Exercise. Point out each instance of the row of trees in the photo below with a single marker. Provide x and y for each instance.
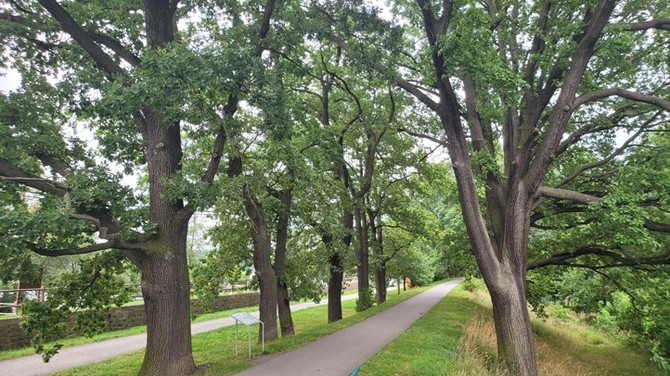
(299, 124)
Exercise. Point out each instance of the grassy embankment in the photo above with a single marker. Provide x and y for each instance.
(457, 337)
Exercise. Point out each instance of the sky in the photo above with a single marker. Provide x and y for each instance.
(9, 80)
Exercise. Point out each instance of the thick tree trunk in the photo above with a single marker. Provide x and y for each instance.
(283, 304)
(268, 296)
(503, 266)
(265, 273)
(516, 348)
(380, 283)
(166, 289)
(335, 288)
(165, 279)
(337, 269)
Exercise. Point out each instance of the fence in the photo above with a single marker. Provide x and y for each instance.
(20, 294)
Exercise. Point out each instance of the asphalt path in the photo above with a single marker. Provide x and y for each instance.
(341, 352)
(98, 351)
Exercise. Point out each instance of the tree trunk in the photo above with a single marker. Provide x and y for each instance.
(165, 278)
(503, 266)
(166, 293)
(380, 283)
(378, 248)
(513, 328)
(268, 295)
(265, 273)
(337, 269)
(283, 304)
(362, 256)
(335, 288)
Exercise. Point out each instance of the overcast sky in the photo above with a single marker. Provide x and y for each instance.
(9, 80)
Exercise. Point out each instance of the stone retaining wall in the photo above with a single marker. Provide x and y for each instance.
(13, 336)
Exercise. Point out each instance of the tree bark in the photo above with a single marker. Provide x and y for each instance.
(283, 303)
(337, 268)
(335, 288)
(362, 252)
(165, 279)
(512, 322)
(380, 284)
(376, 234)
(265, 273)
(166, 293)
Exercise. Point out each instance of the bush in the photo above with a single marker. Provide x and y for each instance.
(470, 283)
(365, 300)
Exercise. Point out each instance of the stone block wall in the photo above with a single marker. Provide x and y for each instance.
(13, 336)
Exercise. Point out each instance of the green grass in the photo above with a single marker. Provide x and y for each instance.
(217, 348)
(429, 346)
(74, 341)
(457, 338)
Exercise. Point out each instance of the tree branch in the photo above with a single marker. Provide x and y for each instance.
(564, 105)
(596, 250)
(118, 48)
(10, 172)
(605, 160)
(77, 251)
(70, 26)
(423, 135)
(637, 97)
(656, 226)
(564, 194)
(415, 91)
(660, 24)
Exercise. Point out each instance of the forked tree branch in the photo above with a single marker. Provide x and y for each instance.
(10, 172)
(420, 95)
(229, 111)
(118, 48)
(605, 160)
(70, 26)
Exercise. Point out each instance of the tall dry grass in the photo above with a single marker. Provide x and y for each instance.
(478, 349)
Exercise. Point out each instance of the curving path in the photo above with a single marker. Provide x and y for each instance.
(340, 353)
(98, 351)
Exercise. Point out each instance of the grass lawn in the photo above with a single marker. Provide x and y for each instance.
(429, 346)
(457, 337)
(217, 348)
(68, 342)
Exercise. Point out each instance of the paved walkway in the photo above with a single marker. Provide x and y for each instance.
(340, 353)
(95, 352)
